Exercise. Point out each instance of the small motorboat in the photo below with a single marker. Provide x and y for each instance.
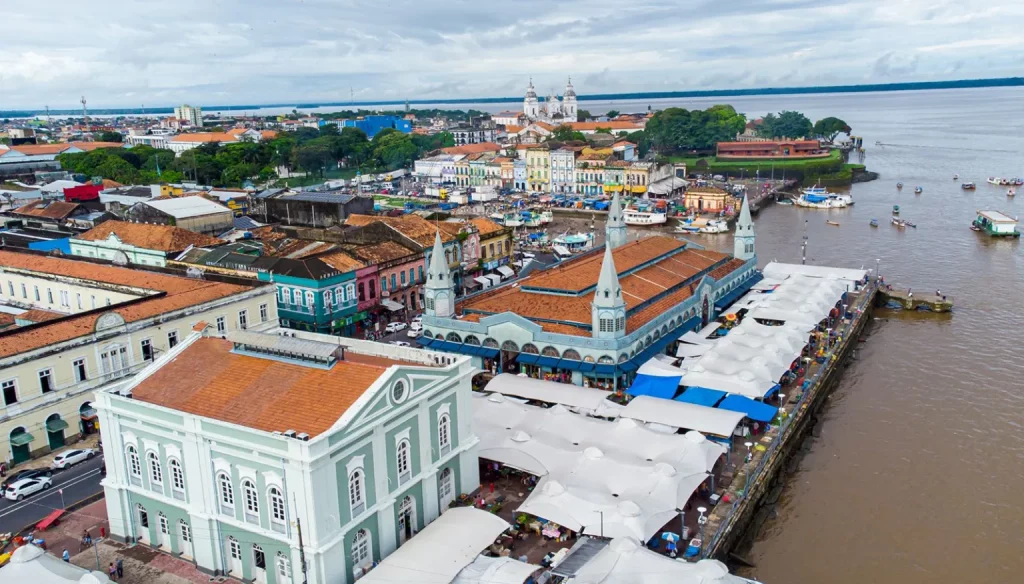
(1010, 192)
(899, 185)
(895, 209)
(975, 227)
(901, 223)
(830, 222)
(968, 186)
(785, 201)
(874, 222)
(918, 190)
(956, 177)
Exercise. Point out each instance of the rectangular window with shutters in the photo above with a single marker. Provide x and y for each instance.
(421, 273)
(403, 278)
(172, 339)
(46, 380)
(147, 350)
(78, 366)
(10, 389)
(49, 296)
(35, 290)
(24, 291)
(264, 313)
(394, 282)
(243, 319)
(221, 324)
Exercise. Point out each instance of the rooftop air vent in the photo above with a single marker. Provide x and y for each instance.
(303, 436)
(289, 433)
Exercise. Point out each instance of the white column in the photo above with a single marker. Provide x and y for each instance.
(469, 471)
(387, 530)
(430, 502)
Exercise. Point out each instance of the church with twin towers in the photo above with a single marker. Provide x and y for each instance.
(553, 110)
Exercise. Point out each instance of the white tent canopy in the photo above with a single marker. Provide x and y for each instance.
(659, 368)
(501, 570)
(624, 561)
(632, 474)
(682, 415)
(439, 552)
(30, 564)
(781, 271)
(505, 271)
(588, 399)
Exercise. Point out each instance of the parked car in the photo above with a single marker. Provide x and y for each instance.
(400, 343)
(25, 487)
(28, 473)
(415, 330)
(394, 327)
(72, 457)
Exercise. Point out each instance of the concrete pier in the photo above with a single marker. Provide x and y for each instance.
(904, 299)
(756, 483)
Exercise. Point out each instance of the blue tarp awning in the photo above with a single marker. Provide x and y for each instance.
(545, 361)
(774, 389)
(425, 341)
(655, 386)
(527, 358)
(755, 410)
(453, 347)
(605, 369)
(488, 352)
(702, 396)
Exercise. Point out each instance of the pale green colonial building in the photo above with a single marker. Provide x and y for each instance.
(224, 449)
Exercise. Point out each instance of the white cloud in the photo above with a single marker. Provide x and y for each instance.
(121, 53)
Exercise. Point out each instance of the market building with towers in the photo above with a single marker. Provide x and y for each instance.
(552, 110)
(594, 319)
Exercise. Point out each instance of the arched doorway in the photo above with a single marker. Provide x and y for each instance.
(446, 488)
(705, 315)
(55, 427)
(509, 353)
(406, 519)
(20, 445)
(90, 419)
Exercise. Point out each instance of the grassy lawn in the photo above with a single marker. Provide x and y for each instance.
(305, 181)
(752, 165)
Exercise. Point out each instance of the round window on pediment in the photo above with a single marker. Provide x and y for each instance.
(398, 392)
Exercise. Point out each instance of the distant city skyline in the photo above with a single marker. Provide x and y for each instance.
(262, 52)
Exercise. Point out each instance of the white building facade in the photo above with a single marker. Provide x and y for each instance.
(554, 110)
(191, 114)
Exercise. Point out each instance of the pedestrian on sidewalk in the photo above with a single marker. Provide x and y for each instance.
(66, 556)
(112, 571)
(120, 567)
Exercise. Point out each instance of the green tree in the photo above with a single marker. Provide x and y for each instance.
(643, 144)
(582, 115)
(674, 130)
(313, 157)
(109, 137)
(329, 130)
(565, 133)
(117, 169)
(830, 127)
(355, 145)
(393, 150)
(612, 113)
(788, 124)
(603, 131)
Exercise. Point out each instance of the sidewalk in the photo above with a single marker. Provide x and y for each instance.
(44, 461)
(67, 534)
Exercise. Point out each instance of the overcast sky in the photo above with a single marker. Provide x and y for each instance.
(222, 52)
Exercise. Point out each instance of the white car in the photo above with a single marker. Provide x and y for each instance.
(25, 487)
(72, 457)
(417, 318)
(394, 327)
(400, 343)
(414, 331)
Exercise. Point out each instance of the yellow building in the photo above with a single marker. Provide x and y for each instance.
(538, 169)
(171, 191)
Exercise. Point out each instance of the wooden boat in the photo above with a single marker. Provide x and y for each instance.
(901, 223)
(785, 201)
(918, 190)
(874, 222)
(830, 222)
(956, 177)
(968, 186)
(895, 209)
(1010, 192)
(899, 185)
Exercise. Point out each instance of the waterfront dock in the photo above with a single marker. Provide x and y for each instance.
(907, 301)
(755, 485)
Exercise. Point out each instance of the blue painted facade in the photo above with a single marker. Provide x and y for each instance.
(324, 306)
(371, 125)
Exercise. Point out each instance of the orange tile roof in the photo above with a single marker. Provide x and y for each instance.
(90, 146)
(414, 227)
(512, 129)
(545, 125)
(205, 137)
(384, 251)
(47, 209)
(178, 293)
(111, 184)
(40, 149)
(472, 148)
(166, 238)
(208, 379)
(485, 226)
(637, 287)
(39, 315)
(611, 125)
(341, 261)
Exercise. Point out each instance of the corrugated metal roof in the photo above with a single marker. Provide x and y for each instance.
(310, 197)
(182, 207)
(580, 554)
(284, 345)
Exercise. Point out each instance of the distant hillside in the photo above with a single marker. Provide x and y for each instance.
(917, 86)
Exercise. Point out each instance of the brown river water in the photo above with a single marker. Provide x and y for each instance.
(918, 472)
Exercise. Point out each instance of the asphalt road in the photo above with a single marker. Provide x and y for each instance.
(77, 483)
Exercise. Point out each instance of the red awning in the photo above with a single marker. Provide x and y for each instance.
(49, 520)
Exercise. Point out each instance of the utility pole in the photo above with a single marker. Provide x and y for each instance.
(85, 113)
(302, 550)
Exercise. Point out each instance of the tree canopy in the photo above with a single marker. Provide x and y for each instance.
(830, 127)
(676, 130)
(788, 124)
(612, 113)
(565, 133)
(583, 115)
(109, 137)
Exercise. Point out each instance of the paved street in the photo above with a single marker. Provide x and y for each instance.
(77, 483)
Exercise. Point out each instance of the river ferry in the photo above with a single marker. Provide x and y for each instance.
(568, 244)
(715, 226)
(637, 217)
(820, 198)
(996, 224)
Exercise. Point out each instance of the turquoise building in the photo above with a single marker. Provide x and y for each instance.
(316, 294)
(231, 453)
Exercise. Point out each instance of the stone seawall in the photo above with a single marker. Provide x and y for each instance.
(729, 524)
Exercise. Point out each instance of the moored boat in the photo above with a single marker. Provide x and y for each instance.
(785, 201)
(996, 224)
(874, 223)
(901, 223)
(637, 217)
(715, 226)
(1010, 192)
(968, 186)
(895, 209)
(830, 222)
(899, 185)
(820, 198)
(918, 190)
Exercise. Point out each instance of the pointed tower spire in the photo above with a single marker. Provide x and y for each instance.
(615, 228)
(743, 240)
(608, 311)
(438, 294)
